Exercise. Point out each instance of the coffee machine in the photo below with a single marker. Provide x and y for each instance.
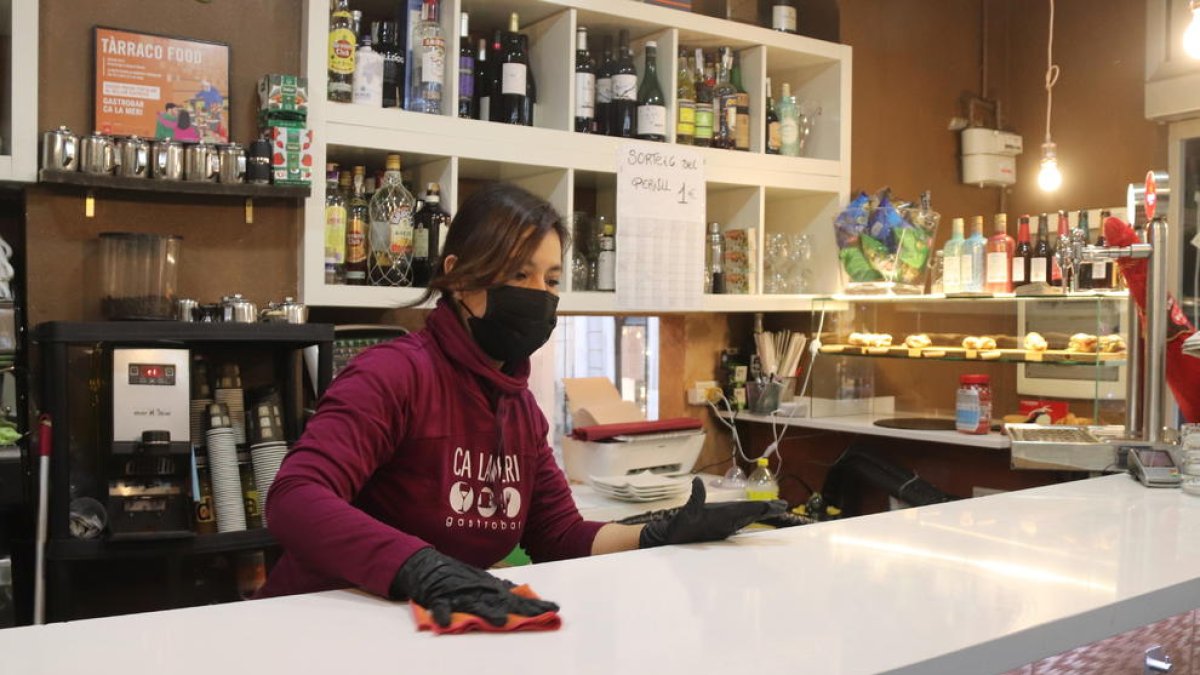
(149, 465)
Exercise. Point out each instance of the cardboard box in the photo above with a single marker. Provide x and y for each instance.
(594, 400)
(283, 96)
(291, 155)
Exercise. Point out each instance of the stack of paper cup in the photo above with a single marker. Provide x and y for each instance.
(199, 410)
(229, 391)
(228, 498)
(268, 445)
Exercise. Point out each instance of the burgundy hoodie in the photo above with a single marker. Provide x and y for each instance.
(405, 452)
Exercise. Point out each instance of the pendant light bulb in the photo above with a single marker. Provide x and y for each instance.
(1049, 177)
(1191, 36)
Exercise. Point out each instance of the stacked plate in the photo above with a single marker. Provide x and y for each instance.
(228, 497)
(266, 459)
(641, 487)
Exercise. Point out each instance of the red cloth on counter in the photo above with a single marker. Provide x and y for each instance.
(402, 453)
(461, 622)
(601, 432)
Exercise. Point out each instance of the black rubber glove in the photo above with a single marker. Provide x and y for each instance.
(698, 521)
(444, 585)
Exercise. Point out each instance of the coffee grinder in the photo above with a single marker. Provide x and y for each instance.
(149, 466)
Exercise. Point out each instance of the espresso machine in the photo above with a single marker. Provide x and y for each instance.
(148, 468)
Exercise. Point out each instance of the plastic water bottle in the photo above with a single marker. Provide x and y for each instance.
(762, 485)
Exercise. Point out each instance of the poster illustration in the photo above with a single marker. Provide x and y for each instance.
(161, 87)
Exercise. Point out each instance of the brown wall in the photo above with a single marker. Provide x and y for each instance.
(221, 253)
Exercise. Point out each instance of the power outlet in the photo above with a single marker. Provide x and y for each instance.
(697, 394)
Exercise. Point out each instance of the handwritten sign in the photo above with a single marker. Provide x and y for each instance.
(661, 204)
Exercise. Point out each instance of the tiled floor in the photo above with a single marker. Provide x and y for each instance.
(1125, 654)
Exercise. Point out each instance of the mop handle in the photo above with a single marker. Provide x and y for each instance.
(45, 439)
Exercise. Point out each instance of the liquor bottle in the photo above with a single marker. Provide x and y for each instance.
(343, 42)
(1040, 265)
(527, 109)
(652, 105)
(429, 62)
(495, 78)
(368, 75)
(971, 263)
(1058, 276)
(714, 260)
(952, 281)
(774, 142)
(606, 265)
(999, 258)
(741, 139)
(783, 16)
(1022, 255)
(704, 105)
(685, 103)
(466, 69)
(725, 117)
(789, 123)
(1103, 272)
(623, 109)
(391, 217)
(604, 88)
(356, 232)
(1084, 282)
(514, 75)
(393, 64)
(483, 108)
(585, 84)
(428, 225)
(335, 227)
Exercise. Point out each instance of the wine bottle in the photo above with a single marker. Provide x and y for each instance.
(466, 69)
(428, 224)
(495, 102)
(585, 84)
(652, 105)
(774, 142)
(604, 88)
(623, 110)
(725, 114)
(1059, 277)
(429, 62)
(606, 272)
(483, 92)
(527, 109)
(704, 105)
(514, 75)
(999, 263)
(783, 16)
(685, 103)
(742, 133)
(1023, 255)
(1040, 265)
(1103, 272)
(1085, 271)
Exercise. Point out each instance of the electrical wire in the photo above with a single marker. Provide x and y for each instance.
(1052, 72)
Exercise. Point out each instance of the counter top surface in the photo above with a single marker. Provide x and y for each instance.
(977, 586)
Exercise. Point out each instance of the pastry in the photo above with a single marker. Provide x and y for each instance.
(973, 342)
(870, 340)
(919, 341)
(1034, 342)
(970, 342)
(881, 340)
(1112, 344)
(990, 354)
(987, 343)
(1082, 342)
(857, 339)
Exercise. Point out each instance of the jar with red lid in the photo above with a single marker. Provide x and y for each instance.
(973, 405)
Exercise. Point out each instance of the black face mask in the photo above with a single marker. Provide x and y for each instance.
(517, 322)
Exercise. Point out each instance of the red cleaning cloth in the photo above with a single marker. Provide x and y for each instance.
(602, 432)
(1182, 371)
(461, 622)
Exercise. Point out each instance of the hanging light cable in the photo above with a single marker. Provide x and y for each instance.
(1049, 177)
(1191, 36)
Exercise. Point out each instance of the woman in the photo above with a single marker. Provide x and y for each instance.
(427, 458)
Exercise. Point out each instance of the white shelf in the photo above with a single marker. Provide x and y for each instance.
(747, 190)
(19, 21)
(865, 424)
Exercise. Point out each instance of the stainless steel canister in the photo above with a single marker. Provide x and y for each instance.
(166, 160)
(59, 150)
(202, 163)
(97, 153)
(133, 157)
(233, 163)
(184, 309)
(296, 312)
(238, 309)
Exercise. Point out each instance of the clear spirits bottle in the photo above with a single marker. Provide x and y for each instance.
(429, 62)
(392, 230)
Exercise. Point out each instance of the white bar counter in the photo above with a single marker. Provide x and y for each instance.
(978, 586)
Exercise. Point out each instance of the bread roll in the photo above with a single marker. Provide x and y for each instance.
(1082, 342)
(919, 341)
(1034, 342)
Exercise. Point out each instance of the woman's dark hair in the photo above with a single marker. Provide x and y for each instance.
(184, 120)
(493, 235)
